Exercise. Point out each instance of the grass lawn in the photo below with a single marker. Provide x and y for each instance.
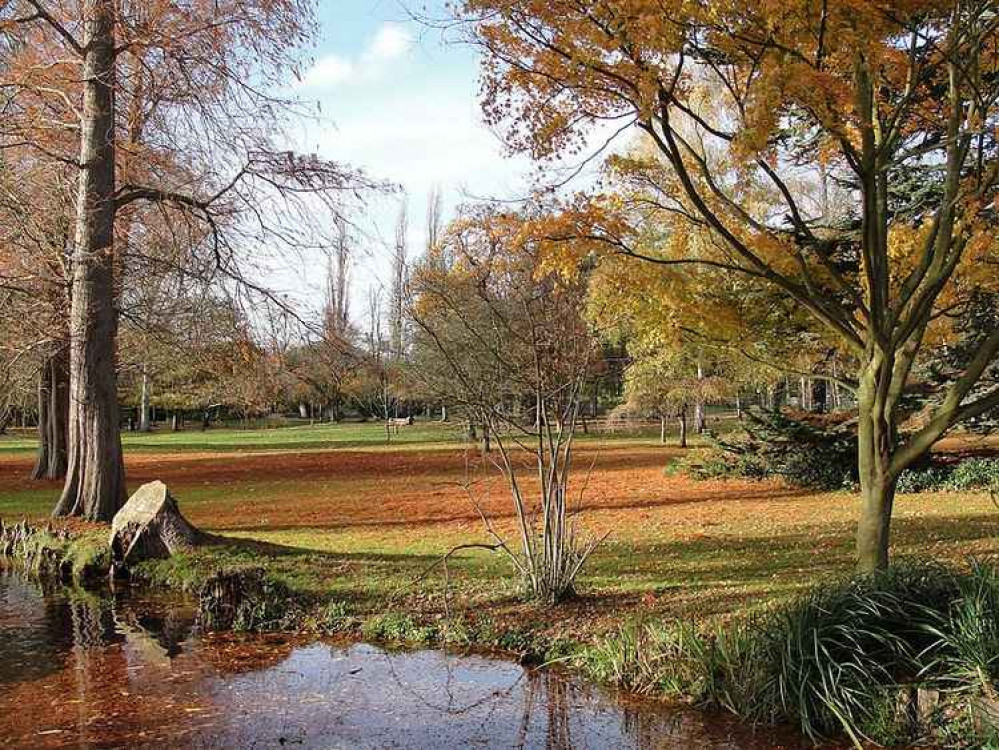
(338, 512)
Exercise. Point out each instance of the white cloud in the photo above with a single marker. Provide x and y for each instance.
(327, 72)
(330, 71)
(391, 41)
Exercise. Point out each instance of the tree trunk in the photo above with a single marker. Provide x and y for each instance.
(876, 439)
(175, 423)
(95, 477)
(53, 416)
(819, 396)
(836, 399)
(486, 442)
(700, 422)
(662, 430)
(683, 428)
(874, 529)
(144, 424)
(443, 412)
(738, 407)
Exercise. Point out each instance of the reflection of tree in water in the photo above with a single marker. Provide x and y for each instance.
(668, 727)
(650, 729)
(34, 634)
(542, 689)
(97, 671)
(551, 692)
(93, 622)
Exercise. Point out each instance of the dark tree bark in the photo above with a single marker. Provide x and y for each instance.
(53, 416)
(95, 477)
(820, 396)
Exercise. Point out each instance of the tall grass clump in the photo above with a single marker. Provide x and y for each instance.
(844, 659)
(965, 649)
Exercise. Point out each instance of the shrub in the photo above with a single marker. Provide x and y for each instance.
(975, 474)
(397, 627)
(838, 660)
(336, 617)
(646, 658)
(820, 456)
(930, 479)
(969, 474)
(245, 599)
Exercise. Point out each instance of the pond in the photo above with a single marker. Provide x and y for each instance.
(89, 671)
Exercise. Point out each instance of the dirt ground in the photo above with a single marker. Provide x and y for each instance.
(337, 489)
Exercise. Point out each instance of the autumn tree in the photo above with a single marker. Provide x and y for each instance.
(668, 384)
(496, 331)
(748, 106)
(17, 368)
(169, 108)
(35, 225)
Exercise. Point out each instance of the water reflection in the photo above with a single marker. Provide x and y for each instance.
(87, 671)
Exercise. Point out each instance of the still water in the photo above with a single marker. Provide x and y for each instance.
(85, 671)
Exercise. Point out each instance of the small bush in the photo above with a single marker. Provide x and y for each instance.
(969, 474)
(820, 456)
(975, 474)
(246, 599)
(930, 479)
(336, 617)
(644, 658)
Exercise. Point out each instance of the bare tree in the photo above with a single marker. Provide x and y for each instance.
(494, 332)
(337, 303)
(397, 333)
(168, 124)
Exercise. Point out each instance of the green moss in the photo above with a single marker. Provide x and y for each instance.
(396, 627)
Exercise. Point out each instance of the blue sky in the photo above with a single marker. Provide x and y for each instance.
(400, 100)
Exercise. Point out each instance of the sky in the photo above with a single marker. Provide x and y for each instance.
(399, 100)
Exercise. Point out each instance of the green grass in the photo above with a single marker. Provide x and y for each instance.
(305, 437)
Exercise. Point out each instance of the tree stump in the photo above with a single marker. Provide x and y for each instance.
(150, 525)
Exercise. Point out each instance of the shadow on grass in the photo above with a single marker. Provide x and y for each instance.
(725, 574)
(258, 548)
